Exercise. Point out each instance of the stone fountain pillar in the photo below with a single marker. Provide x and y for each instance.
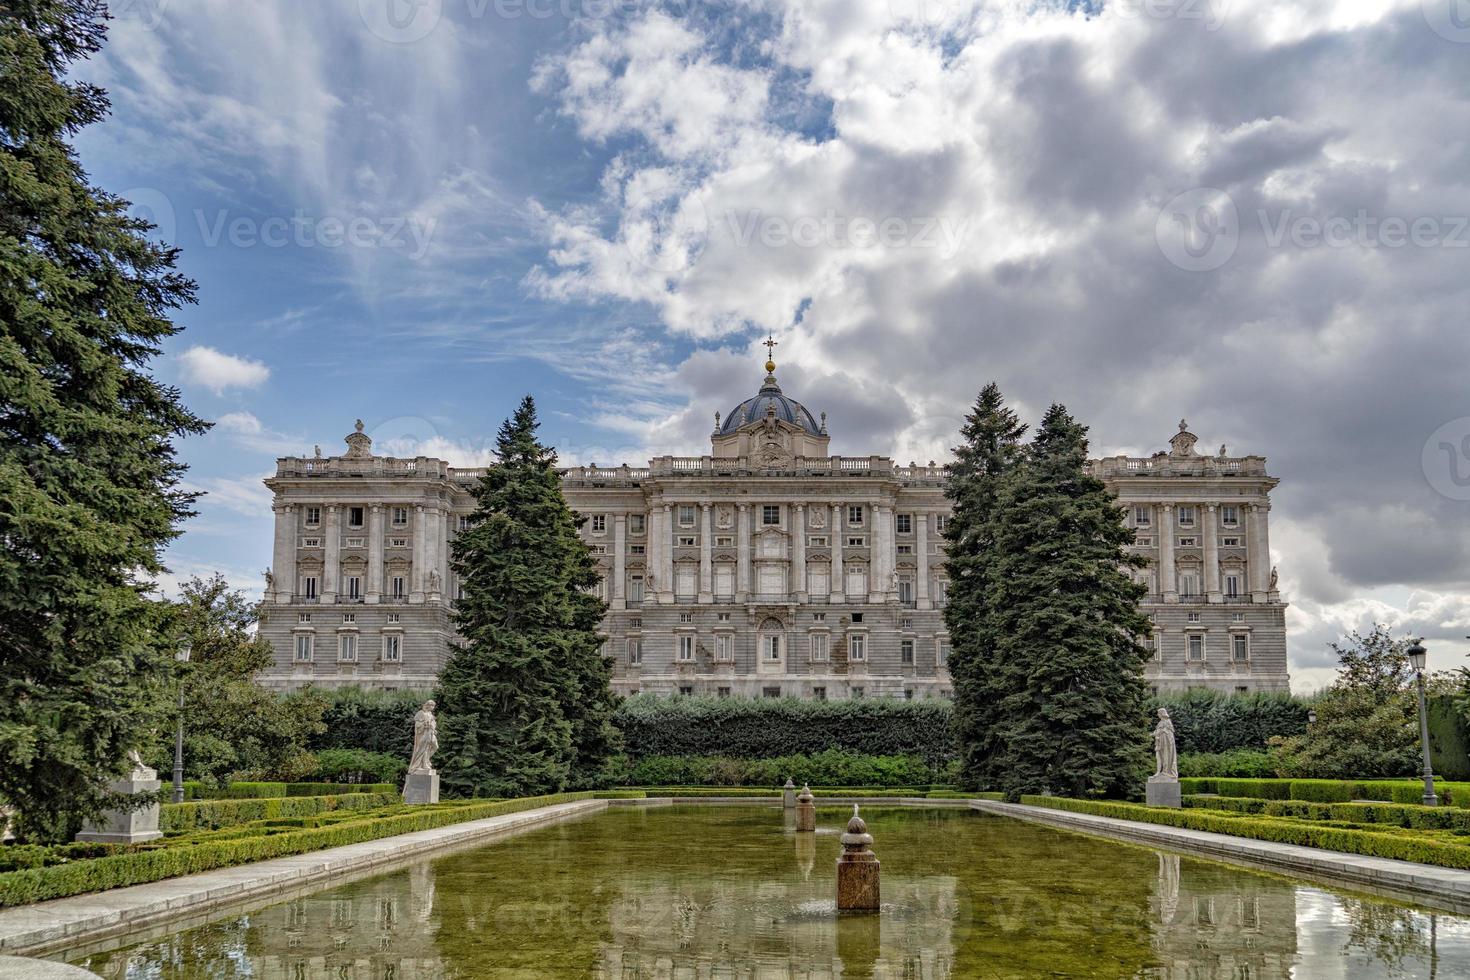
(806, 811)
(857, 869)
(788, 794)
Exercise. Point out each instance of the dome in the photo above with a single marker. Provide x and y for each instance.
(769, 397)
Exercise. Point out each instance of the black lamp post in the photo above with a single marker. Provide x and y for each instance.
(1311, 716)
(186, 647)
(1417, 656)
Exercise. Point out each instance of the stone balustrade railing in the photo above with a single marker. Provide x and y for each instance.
(1164, 465)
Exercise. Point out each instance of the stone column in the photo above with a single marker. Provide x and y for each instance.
(921, 560)
(798, 551)
(666, 557)
(742, 564)
(1212, 552)
(1168, 587)
(706, 566)
(416, 574)
(332, 567)
(839, 571)
(433, 538)
(283, 561)
(1258, 554)
(878, 585)
(620, 570)
(375, 555)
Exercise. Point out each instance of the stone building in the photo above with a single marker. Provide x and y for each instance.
(766, 568)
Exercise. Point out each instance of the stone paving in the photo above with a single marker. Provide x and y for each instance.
(63, 922)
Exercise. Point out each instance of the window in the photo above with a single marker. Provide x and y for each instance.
(1186, 517)
(941, 522)
(303, 617)
(1230, 542)
(354, 517)
(1230, 515)
(347, 648)
(941, 652)
(392, 617)
(819, 617)
(770, 692)
(397, 586)
(354, 587)
(857, 693)
(819, 694)
(723, 692)
(857, 541)
(464, 522)
(398, 542)
(636, 623)
(820, 647)
(687, 540)
(355, 543)
(349, 617)
(635, 651)
(392, 648)
(635, 590)
(311, 542)
(686, 515)
(1145, 541)
(313, 516)
(904, 523)
(818, 542)
(686, 649)
(724, 647)
(599, 523)
(722, 617)
(686, 690)
(941, 592)
(771, 515)
(635, 524)
(1237, 617)
(857, 647)
(1240, 647)
(1196, 647)
(686, 617)
(771, 648)
(1189, 584)
(724, 542)
(1242, 690)
(908, 694)
(1142, 516)
(855, 515)
(906, 652)
(906, 624)
(1189, 542)
(906, 591)
(1194, 617)
(400, 516)
(686, 581)
(857, 617)
(1232, 586)
(637, 549)
(304, 644)
(308, 586)
(905, 549)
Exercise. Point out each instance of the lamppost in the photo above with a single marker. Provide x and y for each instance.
(1417, 656)
(186, 647)
(1311, 716)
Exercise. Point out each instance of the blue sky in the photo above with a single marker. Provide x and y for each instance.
(415, 211)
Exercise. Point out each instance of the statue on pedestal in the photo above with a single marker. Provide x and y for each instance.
(1164, 750)
(425, 739)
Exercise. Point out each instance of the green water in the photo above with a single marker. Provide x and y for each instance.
(731, 892)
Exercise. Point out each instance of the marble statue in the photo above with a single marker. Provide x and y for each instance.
(270, 581)
(141, 770)
(1164, 750)
(1275, 577)
(433, 580)
(425, 739)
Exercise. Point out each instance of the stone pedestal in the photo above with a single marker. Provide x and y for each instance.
(127, 826)
(1163, 791)
(788, 794)
(857, 869)
(421, 787)
(806, 811)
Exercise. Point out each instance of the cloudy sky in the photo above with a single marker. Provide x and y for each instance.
(1243, 212)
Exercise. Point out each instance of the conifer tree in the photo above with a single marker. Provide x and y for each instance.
(991, 448)
(89, 484)
(524, 701)
(1064, 613)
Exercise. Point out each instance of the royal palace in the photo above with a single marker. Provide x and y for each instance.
(766, 568)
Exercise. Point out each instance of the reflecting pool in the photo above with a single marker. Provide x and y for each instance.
(733, 892)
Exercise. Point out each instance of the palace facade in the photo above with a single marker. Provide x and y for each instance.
(766, 568)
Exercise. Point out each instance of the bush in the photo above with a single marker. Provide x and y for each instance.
(1265, 789)
(359, 766)
(1215, 722)
(369, 720)
(1330, 790)
(260, 791)
(214, 814)
(768, 728)
(1240, 763)
(830, 768)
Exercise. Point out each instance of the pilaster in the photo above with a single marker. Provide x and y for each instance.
(921, 560)
(416, 574)
(706, 567)
(839, 568)
(1211, 531)
(798, 551)
(375, 555)
(619, 599)
(332, 563)
(742, 552)
(1168, 582)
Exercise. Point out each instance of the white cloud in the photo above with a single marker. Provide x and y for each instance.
(218, 371)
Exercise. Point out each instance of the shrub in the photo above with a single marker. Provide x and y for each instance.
(1215, 722)
(1407, 791)
(1240, 763)
(369, 720)
(359, 766)
(214, 814)
(259, 791)
(767, 728)
(1265, 789)
(830, 768)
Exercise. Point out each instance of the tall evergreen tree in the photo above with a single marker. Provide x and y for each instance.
(525, 699)
(991, 448)
(88, 479)
(1065, 618)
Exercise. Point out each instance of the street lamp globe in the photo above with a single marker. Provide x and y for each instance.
(1417, 655)
(185, 650)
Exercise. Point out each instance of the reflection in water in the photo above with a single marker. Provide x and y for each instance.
(729, 892)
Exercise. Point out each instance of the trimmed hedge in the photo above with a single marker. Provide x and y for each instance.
(767, 728)
(830, 768)
(214, 814)
(1234, 764)
(264, 791)
(1390, 814)
(1409, 791)
(370, 720)
(133, 866)
(1387, 843)
(1213, 721)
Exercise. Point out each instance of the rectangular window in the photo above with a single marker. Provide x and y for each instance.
(857, 617)
(1237, 617)
(770, 692)
(857, 693)
(354, 587)
(464, 522)
(1196, 647)
(686, 649)
(1189, 542)
(687, 541)
(1232, 586)
(635, 652)
(725, 542)
(770, 515)
(857, 646)
(941, 522)
(304, 643)
(400, 516)
(941, 592)
(313, 516)
(354, 516)
(311, 542)
(723, 692)
(636, 623)
(1189, 585)
(349, 617)
(818, 542)
(599, 523)
(686, 690)
(308, 586)
(906, 591)
(1186, 517)
(392, 617)
(905, 549)
(819, 694)
(1230, 542)
(686, 515)
(1230, 515)
(1194, 617)
(303, 617)
(772, 648)
(819, 647)
(398, 587)
(637, 549)
(686, 617)
(398, 542)
(1142, 516)
(855, 515)
(724, 647)
(635, 524)
(722, 617)
(857, 541)
(1240, 648)
(686, 581)
(635, 590)
(904, 523)
(819, 617)
(906, 652)
(941, 652)
(392, 648)
(347, 648)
